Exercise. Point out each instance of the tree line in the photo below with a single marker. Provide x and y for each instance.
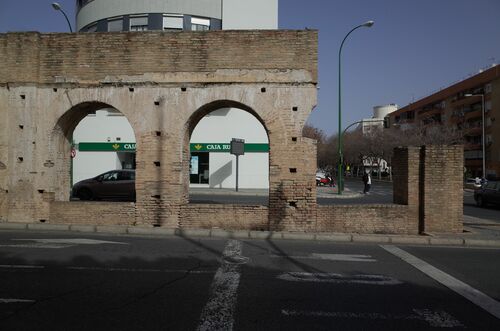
(362, 149)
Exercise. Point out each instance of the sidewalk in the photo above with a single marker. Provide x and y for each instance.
(470, 238)
(322, 192)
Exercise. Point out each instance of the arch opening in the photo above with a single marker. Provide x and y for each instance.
(214, 173)
(94, 148)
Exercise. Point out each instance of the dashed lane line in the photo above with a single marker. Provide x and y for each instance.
(218, 312)
(475, 296)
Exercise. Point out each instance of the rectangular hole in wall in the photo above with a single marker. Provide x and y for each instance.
(157, 196)
(41, 191)
(20, 159)
(131, 89)
(183, 89)
(157, 163)
(23, 96)
(158, 133)
(293, 170)
(294, 138)
(21, 126)
(293, 204)
(54, 89)
(295, 108)
(157, 103)
(263, 90)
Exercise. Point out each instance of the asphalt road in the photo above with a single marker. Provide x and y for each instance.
(52, 281)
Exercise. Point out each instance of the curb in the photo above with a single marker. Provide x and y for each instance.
(263, 235)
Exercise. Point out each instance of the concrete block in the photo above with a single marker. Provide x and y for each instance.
(370, 238)
(151, 231)
(334, 237)
(13, 226)
(192, 232)
(406, 240)
(48, 227)
(220, 233)
(482, 242)
(260, 234)
(298, 236)
(111, 229)
(82, 228)
(447, 241)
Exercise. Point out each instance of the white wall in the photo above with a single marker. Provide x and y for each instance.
(249, 14)
(98, 128)
(221, 126)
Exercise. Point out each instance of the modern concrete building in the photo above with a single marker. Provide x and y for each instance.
(377, 121)
(175, 15)
(460, 106)
(101, 147)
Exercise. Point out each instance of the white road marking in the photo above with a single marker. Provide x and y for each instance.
(331, 257)
(475, 296)
(20, 266)
(58, 243)
(36, 245)
(438, 319)
(15, 300)
(142, 270)
(218, 312)
(72, 241)
(338, 278)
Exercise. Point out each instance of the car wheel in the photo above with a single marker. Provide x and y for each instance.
(480, 201)
(85, 194)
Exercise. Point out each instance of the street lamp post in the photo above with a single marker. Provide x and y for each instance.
(58, 7)
(483, 136)
(367, 24)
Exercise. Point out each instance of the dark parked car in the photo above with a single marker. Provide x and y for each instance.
(488, 194)
(116, 184)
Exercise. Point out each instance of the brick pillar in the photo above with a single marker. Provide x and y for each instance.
(292, 191)
(441, 189)
(406, 178)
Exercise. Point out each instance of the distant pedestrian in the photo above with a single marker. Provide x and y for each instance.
(367, 180)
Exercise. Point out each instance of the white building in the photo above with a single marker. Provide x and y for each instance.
(371, 125)
(106, 141)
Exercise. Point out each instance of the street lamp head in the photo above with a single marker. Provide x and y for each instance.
(468, 95)
(368, 24)
(56, 6)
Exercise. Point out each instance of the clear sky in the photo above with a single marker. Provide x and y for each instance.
(415, 47)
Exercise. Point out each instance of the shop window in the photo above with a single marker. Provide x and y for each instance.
(199, 168)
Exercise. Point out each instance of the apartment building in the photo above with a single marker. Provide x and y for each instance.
(460, 107)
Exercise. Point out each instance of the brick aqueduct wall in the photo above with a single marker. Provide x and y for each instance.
(164, 83)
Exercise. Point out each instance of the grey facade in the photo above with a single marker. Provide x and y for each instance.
(175, 15)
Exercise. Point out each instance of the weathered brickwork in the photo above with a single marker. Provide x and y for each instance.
(441, 189)
(230, 217)
(387, 219)
(164, 83)
(100, 213)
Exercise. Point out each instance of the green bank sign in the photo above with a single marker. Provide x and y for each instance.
(197, 147)
(106, 147)
(225, 148)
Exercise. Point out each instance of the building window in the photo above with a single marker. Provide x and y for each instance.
(115, 25)
(487, 88)
(200, 24)
(173, 23)
(139, 23)
(92, 28)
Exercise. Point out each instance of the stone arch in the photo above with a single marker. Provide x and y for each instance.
(60, 141)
